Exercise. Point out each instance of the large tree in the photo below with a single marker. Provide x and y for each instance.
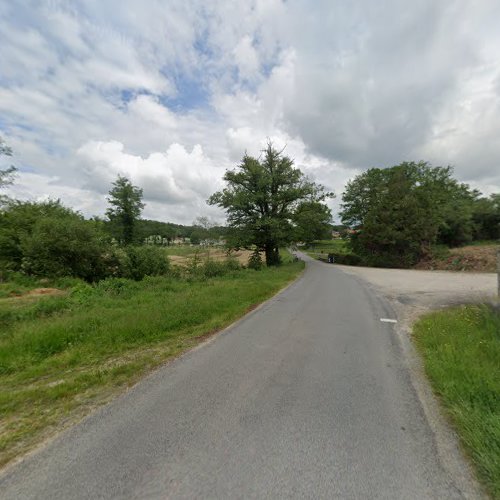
(261, 200)
(397, 213)
(312, 221)
(126, 207)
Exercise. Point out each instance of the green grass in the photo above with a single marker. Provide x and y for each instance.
(461, 352)
(61, 356)
(326, 246)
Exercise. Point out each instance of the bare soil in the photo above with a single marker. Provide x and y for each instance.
(469, 258)
(36, 292)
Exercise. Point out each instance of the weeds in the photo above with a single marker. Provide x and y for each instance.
(461, 351)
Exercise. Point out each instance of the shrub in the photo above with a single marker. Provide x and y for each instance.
(82, 293)
(232, 264)
(255, 261)
(68, 246)
(17, 222)
(121, 287)
(139, 262)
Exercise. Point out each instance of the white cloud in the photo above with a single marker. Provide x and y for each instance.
(149, 109)
(173, 93)
(246, 59)
(173, 177)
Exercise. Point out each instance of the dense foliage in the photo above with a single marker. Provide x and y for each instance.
(396, 214)
(486, 217)
(46, 239)
(262, 200)
(126, 207)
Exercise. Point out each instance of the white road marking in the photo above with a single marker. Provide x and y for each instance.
(388, 320)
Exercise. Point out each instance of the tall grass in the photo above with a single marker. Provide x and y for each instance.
(461, 351)
(59, 356)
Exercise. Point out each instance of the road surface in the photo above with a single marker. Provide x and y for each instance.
(309, 396)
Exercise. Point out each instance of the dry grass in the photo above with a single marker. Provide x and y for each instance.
(472, 258)
(216, 254)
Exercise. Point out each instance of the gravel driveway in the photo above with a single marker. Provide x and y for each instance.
(411, 290)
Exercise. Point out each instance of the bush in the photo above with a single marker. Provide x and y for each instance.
(255, 261)
(209, 268)
(82, 293)
(17, 221)
(117, 287)
(212, 268)
(68, 246)
(138, 262)
(232, 264)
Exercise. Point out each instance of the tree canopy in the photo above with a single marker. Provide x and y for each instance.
(262, 199)
(126, 207)
(397, 213)
(486, 217)
(49, 239)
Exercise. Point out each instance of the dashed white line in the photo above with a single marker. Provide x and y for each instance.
(388, 320)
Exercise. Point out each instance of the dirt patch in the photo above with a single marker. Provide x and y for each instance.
(178, 260)
(46, 291)
(468, 258)
(35, 293)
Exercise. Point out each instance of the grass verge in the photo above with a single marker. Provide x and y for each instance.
(461, 352)
(61, 356)
(327, 246)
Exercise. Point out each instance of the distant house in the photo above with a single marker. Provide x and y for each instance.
(156, 239)
(181, 241)
(209, 242)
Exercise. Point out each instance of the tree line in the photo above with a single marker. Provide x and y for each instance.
(396, 215)
(48, 239)
(393, 216)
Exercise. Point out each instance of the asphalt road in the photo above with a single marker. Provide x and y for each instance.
(309, 396)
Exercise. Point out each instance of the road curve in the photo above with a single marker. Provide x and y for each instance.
(307, 397)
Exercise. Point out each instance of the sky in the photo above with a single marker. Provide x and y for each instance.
(172, 93)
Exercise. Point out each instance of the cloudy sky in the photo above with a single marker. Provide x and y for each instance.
(171, 93)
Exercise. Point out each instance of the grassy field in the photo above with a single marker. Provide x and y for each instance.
(324, 247)
(62, 355)
(461, 352)
(183, 250)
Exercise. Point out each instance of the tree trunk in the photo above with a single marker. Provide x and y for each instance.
(272, 255)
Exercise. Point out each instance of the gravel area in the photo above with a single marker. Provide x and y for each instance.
(428, 289)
